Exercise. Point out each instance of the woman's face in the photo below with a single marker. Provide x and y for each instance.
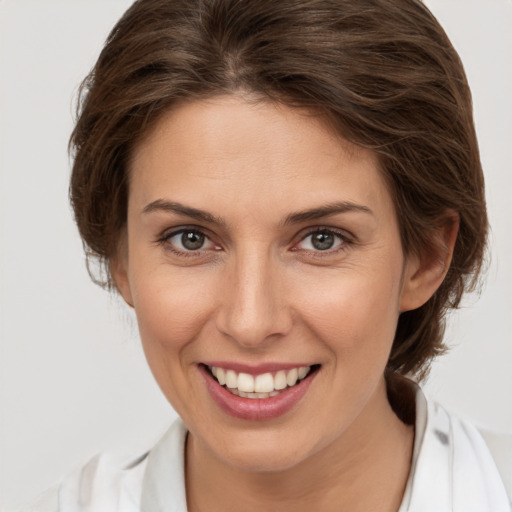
(260, 243)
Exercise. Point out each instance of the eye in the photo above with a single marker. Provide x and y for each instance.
(321, 240)
(189, 240)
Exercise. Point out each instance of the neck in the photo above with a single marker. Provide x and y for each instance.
(366, 468)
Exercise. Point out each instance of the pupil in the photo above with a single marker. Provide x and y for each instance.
(192, 240)
(322, 241)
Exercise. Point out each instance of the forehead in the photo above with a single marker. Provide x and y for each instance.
(232, 150)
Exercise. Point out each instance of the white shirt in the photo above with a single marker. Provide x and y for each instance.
(452, 470)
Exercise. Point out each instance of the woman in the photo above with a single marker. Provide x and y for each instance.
(289, 194)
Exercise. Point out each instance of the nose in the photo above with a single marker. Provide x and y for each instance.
(254, 309)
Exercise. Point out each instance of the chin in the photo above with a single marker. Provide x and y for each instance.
(268, 460)
(263, 450)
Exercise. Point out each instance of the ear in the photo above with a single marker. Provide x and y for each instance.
(119, 271)
(424, 272)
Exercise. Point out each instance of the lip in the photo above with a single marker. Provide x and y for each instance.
(256, 369)
(255, 409)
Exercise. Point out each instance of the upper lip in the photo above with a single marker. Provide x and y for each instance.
(254, 369)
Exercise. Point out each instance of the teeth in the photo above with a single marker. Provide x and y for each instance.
(221, 375)
(303, 371)
(280, 380)
(231, 379)
(264, 385)
(291, 377)
(253, 395)
(245, 383)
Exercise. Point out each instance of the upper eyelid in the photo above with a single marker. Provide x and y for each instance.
(319, 229)
(170, 232)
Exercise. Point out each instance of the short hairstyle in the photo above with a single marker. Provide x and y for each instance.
(382, 72)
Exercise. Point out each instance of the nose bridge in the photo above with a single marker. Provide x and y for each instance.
(253, 308)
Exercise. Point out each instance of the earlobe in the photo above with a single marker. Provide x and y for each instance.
(119, 272)
(424, 272)
(121, 282)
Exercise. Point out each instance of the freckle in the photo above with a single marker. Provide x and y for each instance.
(442, 437)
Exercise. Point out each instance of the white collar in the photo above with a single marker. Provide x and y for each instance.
(163, 487)
(452, 469)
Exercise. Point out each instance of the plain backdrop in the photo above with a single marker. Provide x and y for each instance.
(73, 377)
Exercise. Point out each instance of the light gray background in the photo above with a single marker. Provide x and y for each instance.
(73, 378)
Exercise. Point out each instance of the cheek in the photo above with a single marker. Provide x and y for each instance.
(171, 309)
(171, 313)
(355, 314)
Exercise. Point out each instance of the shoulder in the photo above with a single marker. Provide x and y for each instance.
(454, 467)
(500, 446)
(104, 483)
(110, 483)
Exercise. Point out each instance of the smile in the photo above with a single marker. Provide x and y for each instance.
(264, 385)
(262, 394)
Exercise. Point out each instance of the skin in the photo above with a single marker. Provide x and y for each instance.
(258, 291)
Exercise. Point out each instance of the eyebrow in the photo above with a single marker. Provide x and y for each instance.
(326, 211)
(194, 213)
(294, 218)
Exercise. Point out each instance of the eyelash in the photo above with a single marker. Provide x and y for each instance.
(166, 237)
(342, 237)
(344, 242)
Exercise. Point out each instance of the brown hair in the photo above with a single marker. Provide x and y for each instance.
(383, 71)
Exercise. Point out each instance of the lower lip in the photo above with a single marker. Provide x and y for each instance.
(255, 409)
